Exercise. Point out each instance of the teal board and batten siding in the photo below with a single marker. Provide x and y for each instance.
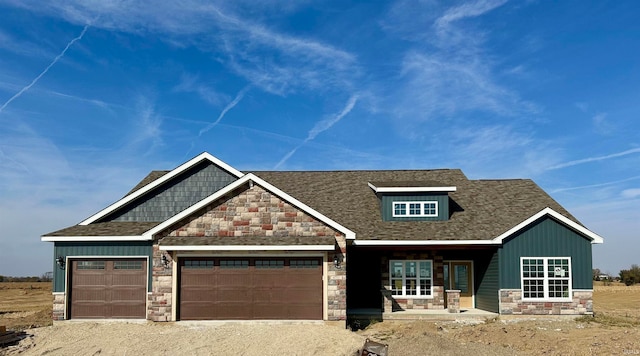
(112, 249)
(487, 273)
(442, 199)
(546, 238)
(182, 192)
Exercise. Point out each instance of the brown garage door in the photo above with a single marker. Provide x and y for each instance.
(108, 289)
(250, 288)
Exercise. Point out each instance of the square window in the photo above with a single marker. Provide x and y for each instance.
(546, 278)
(411, 277)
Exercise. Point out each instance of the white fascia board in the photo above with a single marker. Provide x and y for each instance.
(411, 189)
(248, 248)
(423, 242)
(93, 238)
(261, 182)
(595, 238)
(183, 167)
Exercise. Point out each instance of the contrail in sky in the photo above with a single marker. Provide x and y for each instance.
(320, 127)
(230, 106)
(55, 60)
(594, 159)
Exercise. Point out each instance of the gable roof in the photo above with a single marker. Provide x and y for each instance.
(250, 178)
(482, 209)
(149, 183)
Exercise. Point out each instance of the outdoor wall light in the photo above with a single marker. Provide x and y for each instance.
(60, 261)
(165, 260)
(337, 261)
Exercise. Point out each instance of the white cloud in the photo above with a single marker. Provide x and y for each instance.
(467, 10)
(601, 125)
(272, 61)
(631, 193)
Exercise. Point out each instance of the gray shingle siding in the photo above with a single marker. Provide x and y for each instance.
(185, 190)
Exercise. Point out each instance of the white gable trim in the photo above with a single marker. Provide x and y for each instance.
(248, 248)
(183, 167)
(595, 238)
(411, 189)
(250, 177)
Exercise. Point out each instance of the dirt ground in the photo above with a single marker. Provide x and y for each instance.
(615, 330)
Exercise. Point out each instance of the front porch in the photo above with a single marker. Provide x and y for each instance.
(419, 314)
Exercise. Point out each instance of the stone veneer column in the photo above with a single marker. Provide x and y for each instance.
(337, 281)
(453, 300)
(58, 306)
(160, 299)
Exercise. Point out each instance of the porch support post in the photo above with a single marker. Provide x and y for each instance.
(453, 300)
(387, 301)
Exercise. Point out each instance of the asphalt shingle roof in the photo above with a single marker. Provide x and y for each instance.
(481, 209)
(110, 228)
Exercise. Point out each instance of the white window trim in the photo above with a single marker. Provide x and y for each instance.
(546, 280)
(404, 280)
(407, 215)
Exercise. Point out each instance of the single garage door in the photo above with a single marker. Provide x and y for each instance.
(108, 289)
(250, 288)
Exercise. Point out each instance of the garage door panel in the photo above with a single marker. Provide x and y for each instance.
(260, 288)
(109, 288)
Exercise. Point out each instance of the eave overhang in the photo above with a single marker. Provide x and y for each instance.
(93, 238)
(248, 248)
(412, 189)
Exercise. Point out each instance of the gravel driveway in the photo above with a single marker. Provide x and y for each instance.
(209, 338)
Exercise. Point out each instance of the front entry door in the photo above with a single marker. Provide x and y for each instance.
(458, 275)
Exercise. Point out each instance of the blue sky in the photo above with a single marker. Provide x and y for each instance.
(95, 94)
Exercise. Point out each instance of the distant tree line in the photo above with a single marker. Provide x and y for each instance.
(630, 276)
(46, 277)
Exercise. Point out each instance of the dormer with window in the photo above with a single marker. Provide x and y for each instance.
(413, 201)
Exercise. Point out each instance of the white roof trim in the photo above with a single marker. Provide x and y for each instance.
(411, 189)
(595, 238)
(423, 242)
(93, 238)
(261, 182)
(183, 167)
(248, 248)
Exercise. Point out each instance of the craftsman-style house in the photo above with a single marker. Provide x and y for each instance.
(206, 241)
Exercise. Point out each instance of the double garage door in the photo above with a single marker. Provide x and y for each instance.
(108, 289)
(250, 288)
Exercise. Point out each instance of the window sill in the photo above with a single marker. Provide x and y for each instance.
(412, 296)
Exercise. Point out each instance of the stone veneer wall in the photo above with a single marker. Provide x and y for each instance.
(58, 306)
(253, 212)
(394, 303)
(159, 301)
(511, 303)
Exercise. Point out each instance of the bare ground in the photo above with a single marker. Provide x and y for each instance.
(615, 330)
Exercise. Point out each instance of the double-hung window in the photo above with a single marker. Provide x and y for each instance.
(411, 278)
(415, 209)
(546, 278)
